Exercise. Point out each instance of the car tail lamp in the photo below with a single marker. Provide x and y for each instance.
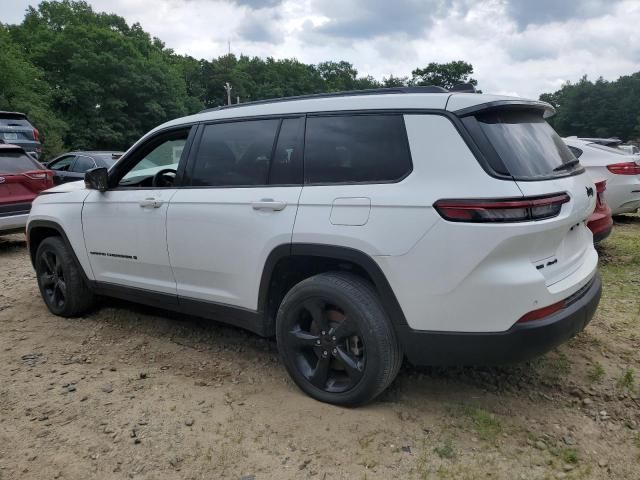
(542, 312)
(626, 168)
(36, 135)
(502, 210)
(600, 188)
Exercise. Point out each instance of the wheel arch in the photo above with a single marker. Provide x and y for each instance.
(289, 264)
(38, 230)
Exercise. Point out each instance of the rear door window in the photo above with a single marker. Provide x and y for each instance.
(16, 162)
(356, 149)
(524, 146)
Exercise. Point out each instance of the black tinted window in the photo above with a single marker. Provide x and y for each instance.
(62, 164)
(358, 148)
(235, 153)
(16, 162)
(286, 166)
(575, 150)
(83, 164)
(527, 145)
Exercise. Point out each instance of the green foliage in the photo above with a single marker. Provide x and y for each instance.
(445, 450)
(596, 373)
(598, 109)
(627, 380)
(444, 74)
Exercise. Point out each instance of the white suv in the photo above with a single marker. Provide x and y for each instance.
(356, 228)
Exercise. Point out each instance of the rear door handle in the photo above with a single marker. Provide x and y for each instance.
(268, 204)
(150, 203)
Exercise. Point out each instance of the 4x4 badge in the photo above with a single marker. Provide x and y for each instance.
(589, 191)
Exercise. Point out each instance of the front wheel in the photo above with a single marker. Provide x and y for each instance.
(336, 340)
(61, 284)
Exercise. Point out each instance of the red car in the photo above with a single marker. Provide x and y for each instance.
(600, 222)
(21, 179)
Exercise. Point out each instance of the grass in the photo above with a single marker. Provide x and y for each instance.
(627, 380)
(569, 455)
(484, 422)
(596, 373)
(445, 450)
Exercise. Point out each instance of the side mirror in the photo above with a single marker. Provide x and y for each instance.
(97, 179)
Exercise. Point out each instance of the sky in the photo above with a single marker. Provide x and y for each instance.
(517, 47)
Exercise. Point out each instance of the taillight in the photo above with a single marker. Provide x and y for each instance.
(36, 135)
(542, 312)
(626, 168)
(38, 174)
(502, 210)
(600, 188)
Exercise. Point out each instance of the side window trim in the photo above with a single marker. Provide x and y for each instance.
(114, 173)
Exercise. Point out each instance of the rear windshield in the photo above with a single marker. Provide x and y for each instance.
(16, 162)
(527, 146)
(15, 122)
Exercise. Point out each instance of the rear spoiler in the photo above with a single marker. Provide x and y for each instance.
(547, 109)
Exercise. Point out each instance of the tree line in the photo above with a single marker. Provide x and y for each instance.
(89, 80)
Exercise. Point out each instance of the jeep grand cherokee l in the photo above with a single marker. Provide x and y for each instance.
(357, 228)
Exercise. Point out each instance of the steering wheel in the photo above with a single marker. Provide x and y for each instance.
(164, 178)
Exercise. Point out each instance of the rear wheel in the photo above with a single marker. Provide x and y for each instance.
(60, 281)
(335, 339)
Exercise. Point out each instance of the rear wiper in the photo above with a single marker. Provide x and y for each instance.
(567, 166)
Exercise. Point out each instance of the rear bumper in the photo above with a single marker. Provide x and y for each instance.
(600, 225)
(521, 342)
(13, 222)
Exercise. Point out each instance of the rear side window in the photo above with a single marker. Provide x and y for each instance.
(356, 149)
(526, 146)
(235, 153)
(576, 151)
(16, 162)
(82, 164)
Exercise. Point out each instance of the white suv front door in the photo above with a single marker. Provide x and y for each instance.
(125, 227)
(239, 202)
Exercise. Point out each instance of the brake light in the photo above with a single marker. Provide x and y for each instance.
(36, 135)
(38, 174)
(502, 210)
(626, 168)
(542, 312)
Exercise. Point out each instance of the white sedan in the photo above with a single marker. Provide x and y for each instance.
(621, 170)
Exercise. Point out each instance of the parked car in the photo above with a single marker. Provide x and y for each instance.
(630, 149)
(16, 129)
(72, 166)
(21, 179)
(600, 221)
(620, 170)
(357, 228)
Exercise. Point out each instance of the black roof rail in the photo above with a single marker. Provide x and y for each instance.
(370, 91)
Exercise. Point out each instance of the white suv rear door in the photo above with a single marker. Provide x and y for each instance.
(239, 202)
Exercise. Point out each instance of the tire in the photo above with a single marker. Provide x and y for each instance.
(60, 280)
(334, 323)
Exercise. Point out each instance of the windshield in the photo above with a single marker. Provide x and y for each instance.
(527, 145)
(16, 162)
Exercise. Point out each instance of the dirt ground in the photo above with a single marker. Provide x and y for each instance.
(133, 392)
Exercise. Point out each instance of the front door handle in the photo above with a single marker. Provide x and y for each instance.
(268, 204)
(150, 203)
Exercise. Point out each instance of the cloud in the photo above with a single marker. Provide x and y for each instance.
(528, 12)
(516, 46)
